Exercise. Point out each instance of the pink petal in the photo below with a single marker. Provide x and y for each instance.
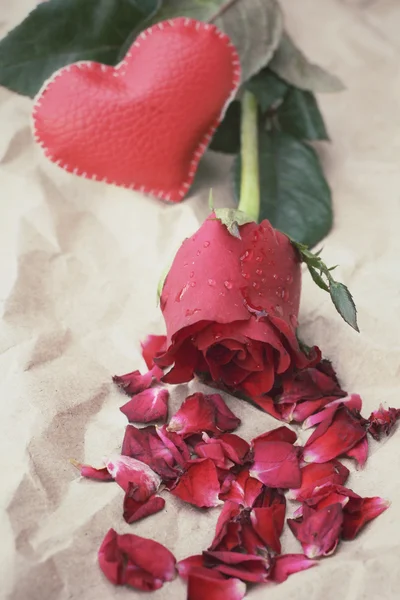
(90, 472)
(247, 567)
(353, 402)
(359, 452)
(276, 464)
(175, 444)
(149, 405)
(126, 470)
(224, 535)
(185, 566)
(363, 512)
(244, 490)
(135, 561)
(200, 413)
(319, 530)
(315, 475)
(335, 436)
(199, 485)
(281, 434)
(287, 564)
(151, 346)
(268, 524)
(134, 510)
(382, 421)
(209, 584)
(135, 382)
(145, 445)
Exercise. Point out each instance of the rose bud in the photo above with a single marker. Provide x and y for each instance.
(230, 306)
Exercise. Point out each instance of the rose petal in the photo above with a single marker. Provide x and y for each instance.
(353, 402)
(268, 524)
(287, 564)
(382, 421)
(185, 566)
(357, 514)
(145, 445)
(227, 536)
(280, 434)
(359, 452)
(244, 490)
(126, 470)
(135, 382)
(199, 485)
(319, 530)
(276, 464)
(315, 475)
(203, 413)
(151, 346)
(335, 436)
(134, 510)
(267, 404)
(149, 405)
(250, 568)
(208, 583)
(90, 472)
(135, 561)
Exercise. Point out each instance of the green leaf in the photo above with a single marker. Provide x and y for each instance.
(232, 219)
(254, 26)
(344, 303)
(300, 116)
(267, 88)
(291, 64)
(318, 279)
(295, 196)
(59, 32)
(227, 137)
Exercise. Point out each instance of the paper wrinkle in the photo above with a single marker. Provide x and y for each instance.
(80, 263)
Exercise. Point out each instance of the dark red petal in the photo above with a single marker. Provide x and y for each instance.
(259, 383)
(319, 530)
(135, 382)
(209, 584)
(247, 567)
(335, 436)
(200, 413)
(90, 472)
(367, 509)
(287, 564)
(352, 402)
(359, 452)
(268, 524)
(151, 346)
(145, 445)
(229, 512)
(276, 464)
(135, 561)
(315, 475)
(126, 470)
(225, 420)
(188, 564)
(135, 510)
(382, 421)
(280, 434)
(149, 405)
(199, 485)
(175, 444)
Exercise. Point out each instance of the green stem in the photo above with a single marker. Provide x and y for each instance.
(250, 184)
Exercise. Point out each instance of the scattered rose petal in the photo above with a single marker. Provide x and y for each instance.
(358, 513)
(188, 564)
(151, 346)
(382, 421)
(268, 523)
(145, 445)
(134, 510)
(135, 382)
(276, 464)
(208, 583)
(175, 444)
(226, 450)
(315, 475)
(359, 452)
(149, 405)
(247, 567)
(126, 470)
(200, 413)
(227, 528)
(287, 564)
(243, 490)
(318, 531)
(280, 434)
(90, 472)
(199, 485)
(352, 402)
(135, 561)
(335, 436)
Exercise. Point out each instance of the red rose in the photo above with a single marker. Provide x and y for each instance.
(230, 306)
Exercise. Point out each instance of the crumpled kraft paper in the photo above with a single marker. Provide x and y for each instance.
(79, 265)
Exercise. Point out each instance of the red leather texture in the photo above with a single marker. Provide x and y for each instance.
(146, 123)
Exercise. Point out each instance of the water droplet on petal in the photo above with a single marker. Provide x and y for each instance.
(189, 312)
(256, 285)
(191, 273)
(258, 258)
(293, 320)
(192, 284)
(228, 284)
(180, 294)
(198, 252)
(211, 282)
(275, 276)
(263, 280)
(247, 255)
(206, 244)
(289, 279)
(279, 310)
(259, 271)
(246, 275)
(185, 264)
(283, 293)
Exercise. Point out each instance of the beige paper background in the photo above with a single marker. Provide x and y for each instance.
(79, 266)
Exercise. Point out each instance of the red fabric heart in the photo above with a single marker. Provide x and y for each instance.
(146, 123)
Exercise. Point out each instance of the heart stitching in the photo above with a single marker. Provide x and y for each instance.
(119, 72)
